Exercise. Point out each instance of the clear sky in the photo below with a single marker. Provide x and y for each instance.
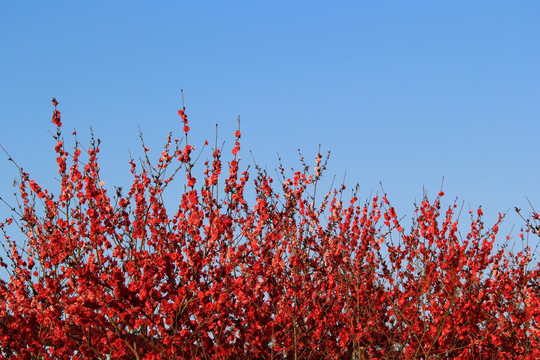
(402, 92)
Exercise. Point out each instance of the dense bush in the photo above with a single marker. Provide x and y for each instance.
(106, 275)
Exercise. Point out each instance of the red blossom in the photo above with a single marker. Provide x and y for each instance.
(56, 118)
(254, 269)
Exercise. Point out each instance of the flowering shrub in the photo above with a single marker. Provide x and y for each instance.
(286, 276)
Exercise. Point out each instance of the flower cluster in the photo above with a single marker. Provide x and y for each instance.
(285, 276)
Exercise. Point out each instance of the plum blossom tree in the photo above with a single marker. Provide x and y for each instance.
(103, 274)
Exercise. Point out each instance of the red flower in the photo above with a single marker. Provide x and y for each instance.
(56, 118)
(275, 270)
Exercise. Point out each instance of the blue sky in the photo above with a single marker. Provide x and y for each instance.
(403, 93)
